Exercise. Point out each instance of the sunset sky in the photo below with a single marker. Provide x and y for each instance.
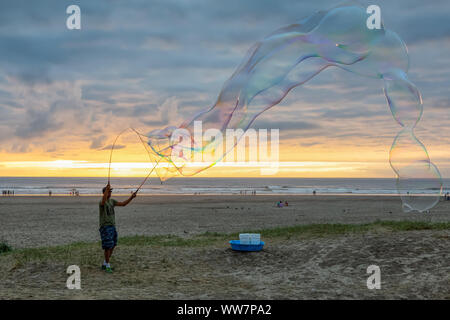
(66, 94)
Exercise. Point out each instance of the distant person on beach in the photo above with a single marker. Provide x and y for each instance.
(108, 232)
(50, 193)
(286, 203)
(280, 204)
(314, 192)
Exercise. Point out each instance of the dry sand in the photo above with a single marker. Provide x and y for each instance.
(414, 264)
(45, 221)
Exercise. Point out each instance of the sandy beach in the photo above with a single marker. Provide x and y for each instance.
(27, 222)
(415, 264)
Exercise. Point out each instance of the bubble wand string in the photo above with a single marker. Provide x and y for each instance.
(157, 162)
(143, 143)
(111, 153)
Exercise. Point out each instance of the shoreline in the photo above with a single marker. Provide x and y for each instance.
(225, 195)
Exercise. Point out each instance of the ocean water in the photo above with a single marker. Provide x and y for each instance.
(93, 186)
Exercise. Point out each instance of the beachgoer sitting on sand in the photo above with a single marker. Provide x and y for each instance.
(108, 232)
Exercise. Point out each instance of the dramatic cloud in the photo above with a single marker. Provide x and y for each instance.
(154, 63)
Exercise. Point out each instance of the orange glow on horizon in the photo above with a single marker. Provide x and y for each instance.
(133, 161)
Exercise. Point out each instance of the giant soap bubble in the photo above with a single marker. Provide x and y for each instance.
(291, 56)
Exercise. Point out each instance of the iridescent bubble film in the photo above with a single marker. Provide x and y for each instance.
(291, 56)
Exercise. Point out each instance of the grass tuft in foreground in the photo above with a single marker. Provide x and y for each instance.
(4, 247)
